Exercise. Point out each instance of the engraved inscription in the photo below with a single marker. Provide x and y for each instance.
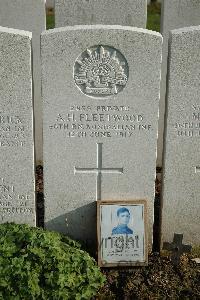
(191, 127)
(188, 3)
(197, 169)
(101, 122)
(101, 71)
(12, 131)
(12, 202)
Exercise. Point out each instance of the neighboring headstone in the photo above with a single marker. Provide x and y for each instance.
(181, 188)
(175, 14)
(50, 3)
(17, 183)
(29, 15)
(100, 121)
(106, 12)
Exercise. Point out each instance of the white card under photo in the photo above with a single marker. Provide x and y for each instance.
(122, 232)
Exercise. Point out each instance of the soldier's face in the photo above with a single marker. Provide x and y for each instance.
(124, 218)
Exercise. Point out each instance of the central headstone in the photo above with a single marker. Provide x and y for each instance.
(107, 12)
(100, 121)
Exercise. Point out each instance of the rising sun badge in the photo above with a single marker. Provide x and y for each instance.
(101, 71)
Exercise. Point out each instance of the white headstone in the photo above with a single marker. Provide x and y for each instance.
(29, 15)
(107, 12)
(17, 186)
(50, 3)
(181, 188)
(175, 14)
(100, 121)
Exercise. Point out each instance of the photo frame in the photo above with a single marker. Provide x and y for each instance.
(122, 233)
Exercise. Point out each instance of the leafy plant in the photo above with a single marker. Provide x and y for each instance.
(39, 264)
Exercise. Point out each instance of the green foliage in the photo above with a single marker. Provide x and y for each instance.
(39, 264)
(196, 251)
(153, 17)
(50, 22)
(50, 18)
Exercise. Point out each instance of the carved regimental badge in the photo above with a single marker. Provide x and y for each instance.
(101, 71)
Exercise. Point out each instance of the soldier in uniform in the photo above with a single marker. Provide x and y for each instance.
(123, 215)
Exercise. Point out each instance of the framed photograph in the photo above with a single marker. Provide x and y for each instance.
(122, 233)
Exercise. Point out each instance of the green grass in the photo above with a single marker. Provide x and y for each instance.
(153, 19)
(50, 21)
(196, 251)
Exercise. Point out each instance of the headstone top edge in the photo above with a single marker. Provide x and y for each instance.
(103, 27)
(185, 29)
(16, 31)
(56, 1)
(43, 2)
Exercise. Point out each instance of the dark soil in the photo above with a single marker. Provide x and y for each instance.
(159, 281)
(40, 196)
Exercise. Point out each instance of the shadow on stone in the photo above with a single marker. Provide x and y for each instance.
(79, 224)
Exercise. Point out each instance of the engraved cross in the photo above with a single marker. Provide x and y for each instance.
(177, 248)
(99, 170)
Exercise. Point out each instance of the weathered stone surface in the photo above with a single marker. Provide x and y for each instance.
(175, 14)
(29, 15)
(107, 12)
(50, 3)
(17, 184)
(181, 176)
(100, 111)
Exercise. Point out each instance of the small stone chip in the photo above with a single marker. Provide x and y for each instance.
(196, 260)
